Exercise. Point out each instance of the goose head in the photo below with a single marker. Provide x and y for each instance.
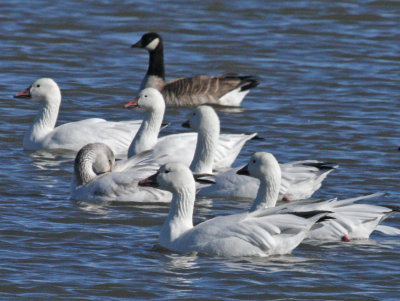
(44, 89)
(93, 160)
(262, 165)
(149, 100)
(105, 159)
(173, 177)
(150, 41)
(203, 119)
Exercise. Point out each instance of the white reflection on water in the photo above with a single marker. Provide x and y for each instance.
(178, 261)
(46, 159)
(94, 208)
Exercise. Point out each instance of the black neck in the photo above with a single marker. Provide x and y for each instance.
(156, 62)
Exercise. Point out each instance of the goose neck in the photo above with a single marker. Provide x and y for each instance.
(206, 147)
(45, 120)
(83, 167)
(156, 62)
(267, 194)
(147, 135)
(180, 217)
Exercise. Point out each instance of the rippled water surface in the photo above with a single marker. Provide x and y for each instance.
(330, 86)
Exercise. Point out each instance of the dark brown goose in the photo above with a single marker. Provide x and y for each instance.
(227, 89)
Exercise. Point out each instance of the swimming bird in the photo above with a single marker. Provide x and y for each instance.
(226, 90)
(98, 177)
(349, 220)
(177, 147)
(256, 233)
(300, 179)
(43, 134)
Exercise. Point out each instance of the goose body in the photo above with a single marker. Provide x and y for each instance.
(227, 90)
(44, 134)
(247, 234)
(98, 177)
(299, 179)
(349, 220)
(177, 147)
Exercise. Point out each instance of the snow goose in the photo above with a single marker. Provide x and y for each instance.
(350, 220)
(74, 135)
(227, 90)
(177, 147)
(248, 234)
(300, 179)
(98, 177)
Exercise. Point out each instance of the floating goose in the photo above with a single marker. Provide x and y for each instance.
(300, 179)
(98, 177)
(227, 90)
(350, 221)
(74, 135)
(248, 234)
(177, 147)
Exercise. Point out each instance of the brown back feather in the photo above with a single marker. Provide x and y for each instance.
(199, 89)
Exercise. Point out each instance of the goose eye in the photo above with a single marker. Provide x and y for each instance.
(37, 86)
(166, 171)
(145, 96)
(254, 161)
(194, 114)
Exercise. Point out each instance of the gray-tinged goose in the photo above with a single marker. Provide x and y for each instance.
(99, 177)
(226, 90)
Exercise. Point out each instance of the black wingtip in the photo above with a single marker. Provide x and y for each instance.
(309, 214)
(248, 82)
(394, 208)
(322, 165)
(324, 218)
(256, 137)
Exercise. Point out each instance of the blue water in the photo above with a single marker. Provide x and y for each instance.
(330, 86)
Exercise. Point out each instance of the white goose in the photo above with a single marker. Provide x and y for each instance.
(74, 135)
(300, 179)
(247, 234)
(98, 177)
(228, 90)
(177, 147)
(350, 221)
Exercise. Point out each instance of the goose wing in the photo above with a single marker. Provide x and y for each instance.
(248, 234)
(202, 89)
(74, 135)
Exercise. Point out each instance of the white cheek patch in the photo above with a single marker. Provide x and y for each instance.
(153, 44)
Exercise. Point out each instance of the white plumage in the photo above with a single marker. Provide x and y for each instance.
(349, 220)
(177, 147)
(74, 135)
(300, 179)
(247, 234)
